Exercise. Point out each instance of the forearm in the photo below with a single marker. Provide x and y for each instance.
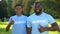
(28, 30)
(8, 27)
(51, 29)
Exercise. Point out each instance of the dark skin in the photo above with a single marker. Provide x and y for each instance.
(38, 12)
(29, 30)
(9, 25)
(18, 10)
(54, 27)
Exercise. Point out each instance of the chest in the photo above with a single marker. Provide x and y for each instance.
(43, 21)
(19, 20)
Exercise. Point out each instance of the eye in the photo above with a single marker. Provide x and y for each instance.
(18, 8)
(37, 6)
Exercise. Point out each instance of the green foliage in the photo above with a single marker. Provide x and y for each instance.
(3, 6)
(49, 6)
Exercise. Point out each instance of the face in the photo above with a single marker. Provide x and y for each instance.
(18, 9)
(38, 8)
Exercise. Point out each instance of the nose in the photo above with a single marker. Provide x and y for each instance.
(37, 8)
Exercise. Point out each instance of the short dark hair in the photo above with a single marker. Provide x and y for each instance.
(18, 5)
(37, 3)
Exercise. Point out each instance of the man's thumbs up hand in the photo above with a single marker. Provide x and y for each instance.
(41, 29)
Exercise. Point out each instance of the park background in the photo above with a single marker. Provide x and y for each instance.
(51, 7)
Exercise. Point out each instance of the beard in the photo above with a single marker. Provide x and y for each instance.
(37, 12)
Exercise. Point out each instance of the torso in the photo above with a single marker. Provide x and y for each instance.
(19, 26)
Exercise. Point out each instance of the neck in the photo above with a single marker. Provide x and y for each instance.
(38, 13)
(19, 14)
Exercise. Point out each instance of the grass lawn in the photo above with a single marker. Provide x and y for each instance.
(4, 24)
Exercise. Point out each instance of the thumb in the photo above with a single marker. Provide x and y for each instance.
(40, 25)
(12, 20)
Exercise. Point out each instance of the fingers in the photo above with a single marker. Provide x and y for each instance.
(12, 22)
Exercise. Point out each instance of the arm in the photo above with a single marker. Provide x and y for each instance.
(9, 25)
(53, 23)
(28, 30)
(29, 26)
(53, 28)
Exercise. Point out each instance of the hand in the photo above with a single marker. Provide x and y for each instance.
(42, 29)
(12, 22)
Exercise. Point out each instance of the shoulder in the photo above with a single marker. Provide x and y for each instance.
(48, 15)
(24, 16)
(13, 16)
(31, 15)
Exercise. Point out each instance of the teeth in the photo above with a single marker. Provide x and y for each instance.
(37, 10)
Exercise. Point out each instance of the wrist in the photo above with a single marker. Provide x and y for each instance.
(46, 29)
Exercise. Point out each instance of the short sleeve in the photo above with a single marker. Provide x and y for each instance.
(10, 19)
(51, 20)
(28, 22)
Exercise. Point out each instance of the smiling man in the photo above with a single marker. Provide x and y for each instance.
(18, 21)
(38, 22)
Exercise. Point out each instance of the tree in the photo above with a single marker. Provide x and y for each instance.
(3, 6)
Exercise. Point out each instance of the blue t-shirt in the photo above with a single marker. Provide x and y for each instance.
(19, 26)
(35, 22)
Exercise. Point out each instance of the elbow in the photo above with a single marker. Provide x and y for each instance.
(56, 28)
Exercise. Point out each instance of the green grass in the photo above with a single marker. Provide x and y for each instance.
(3, 28)
(4, 24)
(2, 31)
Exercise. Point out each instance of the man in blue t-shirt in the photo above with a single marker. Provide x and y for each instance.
(38, 22)
(18, 21)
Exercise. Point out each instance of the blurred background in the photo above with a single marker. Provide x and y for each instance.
(51, 7)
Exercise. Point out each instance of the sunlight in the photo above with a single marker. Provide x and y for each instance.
(0, 0)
